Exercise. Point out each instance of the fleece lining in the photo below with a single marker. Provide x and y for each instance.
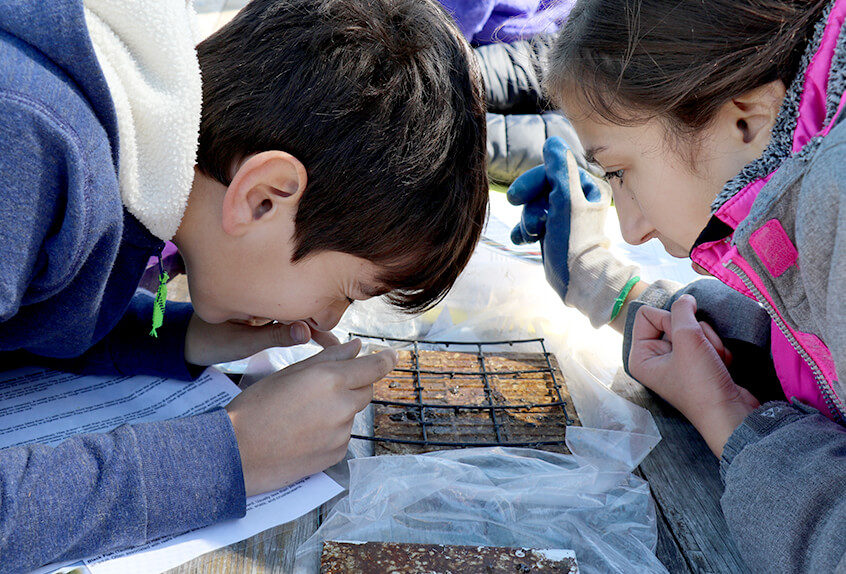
(146, 51)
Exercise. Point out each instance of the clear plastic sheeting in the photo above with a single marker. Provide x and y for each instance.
(496, 497)
(501, 297)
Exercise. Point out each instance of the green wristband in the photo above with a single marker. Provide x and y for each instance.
(621, 298)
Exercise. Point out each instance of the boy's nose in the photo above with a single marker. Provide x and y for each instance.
(328, 318)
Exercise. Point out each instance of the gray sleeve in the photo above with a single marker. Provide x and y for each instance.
(515, 142)
(821, 243)
(784, 470)
(734, 317)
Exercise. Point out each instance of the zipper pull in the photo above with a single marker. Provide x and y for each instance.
(161, 298)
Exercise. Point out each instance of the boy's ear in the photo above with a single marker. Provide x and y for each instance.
(755, 112)
(266, 185)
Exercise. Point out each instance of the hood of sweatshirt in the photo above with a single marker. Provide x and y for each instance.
(138, 69)
(146, 51)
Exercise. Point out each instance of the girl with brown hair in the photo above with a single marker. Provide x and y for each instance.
(718, 127)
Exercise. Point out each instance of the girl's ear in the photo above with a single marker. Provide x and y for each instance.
(755, 112)
(266, 185)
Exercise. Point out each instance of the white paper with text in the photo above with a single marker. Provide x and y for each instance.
(45, 406)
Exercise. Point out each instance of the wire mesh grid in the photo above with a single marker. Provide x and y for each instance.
(422, 412)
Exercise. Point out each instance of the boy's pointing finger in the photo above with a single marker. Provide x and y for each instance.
(330, 354)
(366, 370)
(324, 338)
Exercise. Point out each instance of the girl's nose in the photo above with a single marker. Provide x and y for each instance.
(633, 226)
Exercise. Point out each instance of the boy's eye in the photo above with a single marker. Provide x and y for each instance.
(350, 300)
(609, 175)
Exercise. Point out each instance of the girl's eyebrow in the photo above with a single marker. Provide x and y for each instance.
(590, 153)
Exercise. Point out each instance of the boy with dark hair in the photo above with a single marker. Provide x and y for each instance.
(341, 156)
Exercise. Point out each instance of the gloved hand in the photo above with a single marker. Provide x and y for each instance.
(565, 209)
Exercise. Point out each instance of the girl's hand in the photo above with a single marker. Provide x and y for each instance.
(684, 361)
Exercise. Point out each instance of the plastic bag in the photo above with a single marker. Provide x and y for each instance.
(500, 297)
(496, 497)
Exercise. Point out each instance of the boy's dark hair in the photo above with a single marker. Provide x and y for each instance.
(681, 60)
(382, 102)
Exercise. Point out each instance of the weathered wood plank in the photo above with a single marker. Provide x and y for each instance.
(269, 552)
(668, 551)
(684, 477)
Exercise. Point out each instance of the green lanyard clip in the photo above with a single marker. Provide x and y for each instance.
(161, 298)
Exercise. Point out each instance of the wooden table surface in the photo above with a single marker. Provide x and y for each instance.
(269, 552)
(683, 475)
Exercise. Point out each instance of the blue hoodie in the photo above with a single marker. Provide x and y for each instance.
(72, 257)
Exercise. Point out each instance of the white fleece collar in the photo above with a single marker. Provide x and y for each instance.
(146, 51)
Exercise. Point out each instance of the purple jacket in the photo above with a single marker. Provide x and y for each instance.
(489, 21)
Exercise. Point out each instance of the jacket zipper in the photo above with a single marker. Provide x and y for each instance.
(827, 393)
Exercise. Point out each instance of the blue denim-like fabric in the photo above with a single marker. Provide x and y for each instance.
(100, 492)
(72, 258)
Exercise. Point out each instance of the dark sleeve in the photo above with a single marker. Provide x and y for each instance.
(100, 492)
(129, 348)
(519, 116)
(741, 323)
(784, 470)
(512, 74)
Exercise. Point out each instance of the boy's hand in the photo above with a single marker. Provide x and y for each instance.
(298, 421)
(684, 361)
(565, 209)
(207, 343)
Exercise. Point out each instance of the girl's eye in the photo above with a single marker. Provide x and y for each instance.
(609, 175)
(350, 300)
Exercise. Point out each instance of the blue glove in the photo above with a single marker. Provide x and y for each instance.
(565, 209)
